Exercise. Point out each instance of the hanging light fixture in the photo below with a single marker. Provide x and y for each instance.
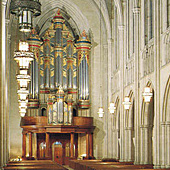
(112, 108)
(23, 80)
(22, 94)
(25, 10)
(127, 103)
(147, 94)
(23, 56)
(101, 112)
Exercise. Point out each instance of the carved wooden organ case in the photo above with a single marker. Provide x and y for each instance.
(59, 84)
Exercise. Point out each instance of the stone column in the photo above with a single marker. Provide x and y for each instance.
(146, 144)
(23, 145)
(126, 149)
(129, 131)
(87, 145)
(141, 156)
(117, 144)
(47, 141)
(109, 94)
(168, 145)
(2, 86)
(136, 13)
(163, 145)
(7, 80)
(121, 54)
(157, 102)
(30, 144)
(72, 145)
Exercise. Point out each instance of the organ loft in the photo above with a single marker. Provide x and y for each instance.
(58, 119)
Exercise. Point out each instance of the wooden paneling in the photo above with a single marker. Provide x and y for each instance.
(83, 121)
(39, 121)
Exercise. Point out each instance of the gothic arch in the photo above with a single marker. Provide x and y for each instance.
(77, 20)
(116, 135)
(165, 127)
(117, 113)
(166, 114)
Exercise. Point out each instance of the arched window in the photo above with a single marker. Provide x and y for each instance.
(130, 27)
(116, 38)
(149, 20)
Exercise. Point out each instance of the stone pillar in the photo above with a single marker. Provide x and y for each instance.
(141, 156)
(23, 145)
(117, 144)
(126, 149)
(72, 145)
(163, 145)
(157, 101)
(121, 54)
(136, 13)
(30, 144)
(146, 144)
(87, 145)
(2, 86)
(47, 141)
(129, 131)
(168, 146)
(7, 80)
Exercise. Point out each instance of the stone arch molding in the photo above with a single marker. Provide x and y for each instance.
(145, 108)
(165, 127)
(166, 113)
(116, 130)
(77, 19)
(129, 115)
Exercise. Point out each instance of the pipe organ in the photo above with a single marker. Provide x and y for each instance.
(59, 73)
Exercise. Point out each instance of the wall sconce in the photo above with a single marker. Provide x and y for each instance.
(147, 94)
(127, 103)
(100, 112)
(112, 108)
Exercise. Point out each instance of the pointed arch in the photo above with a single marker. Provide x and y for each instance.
(117, 105)
(165, 115)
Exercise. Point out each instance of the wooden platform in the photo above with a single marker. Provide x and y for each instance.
(99, 165)
(34, 164)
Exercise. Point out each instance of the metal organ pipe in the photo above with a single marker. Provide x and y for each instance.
(58, 21)
(34, 45)
(83, 49)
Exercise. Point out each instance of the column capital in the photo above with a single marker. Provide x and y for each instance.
(136, 10)
(4, 3)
